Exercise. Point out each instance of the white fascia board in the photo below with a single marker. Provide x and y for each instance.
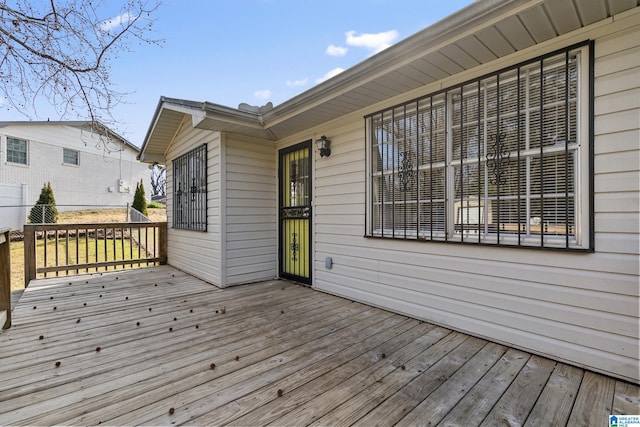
(466, 21)
(220, 113)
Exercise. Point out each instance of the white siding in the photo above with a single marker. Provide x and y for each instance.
(250, 211)
(197, 252)
(94, 182)
(576, 307)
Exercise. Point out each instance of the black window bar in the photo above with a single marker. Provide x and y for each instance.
(493, 160)
(190, 190)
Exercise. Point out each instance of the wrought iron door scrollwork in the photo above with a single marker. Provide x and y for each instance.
(294, 246)
(295, 212)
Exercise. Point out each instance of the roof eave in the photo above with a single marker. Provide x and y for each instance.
(204, 115)
(382, 62)
(96, 125)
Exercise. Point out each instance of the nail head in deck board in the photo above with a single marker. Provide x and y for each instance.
(173, 388)
(479, 401)
(261, 378)
(344, 399)
(626, 398)
(390, 402)
(554, 405)
(441, 401)
(518, 400)
(314, 351)
(260, 407)
(158, 369)
(594, 400)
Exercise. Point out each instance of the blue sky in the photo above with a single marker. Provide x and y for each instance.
(255, 51)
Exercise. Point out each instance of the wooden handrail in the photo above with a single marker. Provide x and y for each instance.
(64, 248)
(5, 280)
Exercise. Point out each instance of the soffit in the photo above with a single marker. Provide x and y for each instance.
(499, 29)
(161, 133)
(482, 32)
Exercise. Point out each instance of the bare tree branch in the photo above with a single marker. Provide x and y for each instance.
(60, 51)
(159, 180)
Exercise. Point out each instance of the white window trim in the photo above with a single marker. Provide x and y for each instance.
(65, 163)
(27, 154)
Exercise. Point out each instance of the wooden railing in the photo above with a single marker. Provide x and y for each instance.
(67, 249)
(5, 280)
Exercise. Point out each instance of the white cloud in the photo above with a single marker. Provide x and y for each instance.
(297, 83)
(262, 94)
(116, 21)
(330, 74)
(333, 50)
(373, 42)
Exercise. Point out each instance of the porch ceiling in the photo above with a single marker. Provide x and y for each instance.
(480, 33)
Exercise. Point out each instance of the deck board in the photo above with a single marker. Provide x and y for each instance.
(137, 347)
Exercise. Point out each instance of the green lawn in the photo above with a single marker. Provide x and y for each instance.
(117, 249)
(90, 216)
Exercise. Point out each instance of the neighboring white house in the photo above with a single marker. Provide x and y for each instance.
(87, 164)
(483, 174)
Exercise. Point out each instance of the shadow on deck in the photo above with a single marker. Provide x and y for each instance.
(157, 346)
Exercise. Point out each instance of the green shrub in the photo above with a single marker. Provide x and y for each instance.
(139, 199)
(45, 210)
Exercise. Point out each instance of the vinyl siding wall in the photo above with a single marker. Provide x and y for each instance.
(95, 181)
(251, 210)
(576, 307)
(241, 172)
(197, 252)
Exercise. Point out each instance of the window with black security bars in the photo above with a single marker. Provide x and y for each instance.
(190, 190)
(498, 160)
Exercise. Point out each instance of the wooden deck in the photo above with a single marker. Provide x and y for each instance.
(159, 347)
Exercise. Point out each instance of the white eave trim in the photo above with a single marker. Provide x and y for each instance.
(466, 21)
(221, 113)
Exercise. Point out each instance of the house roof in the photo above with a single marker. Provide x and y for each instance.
(480, 33)
(94, 126)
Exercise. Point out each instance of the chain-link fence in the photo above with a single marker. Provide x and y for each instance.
(14, 216)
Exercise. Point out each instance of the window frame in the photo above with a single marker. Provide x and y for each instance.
(580, 175)
(190, 203)
(26, 151)
(64, 157)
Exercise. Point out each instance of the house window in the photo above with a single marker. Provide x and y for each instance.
(500, 160)
(16, 151)
(70, 157)
(190, 190)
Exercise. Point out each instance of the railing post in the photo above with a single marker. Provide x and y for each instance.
(5, 278)
(29, 253)
(162, 243)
